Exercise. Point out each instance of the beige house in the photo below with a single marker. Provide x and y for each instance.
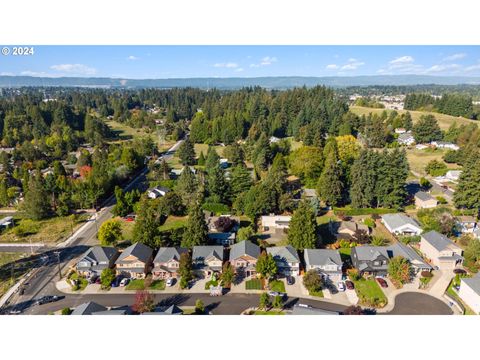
(243, 258)
(207, 260)
(347, 229)
(469, 292)
(135, 261)
(441, 251)
(424, 200)
(271, 223)
(167, 262)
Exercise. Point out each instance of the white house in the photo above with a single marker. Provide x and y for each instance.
(467, 224)
(400, 131)
(327, 262)
(441, 251)
(453, 175)
(274, 222)
(406, 138)
(157, 192)
(401, 224)
(444, 145)
(469, 292)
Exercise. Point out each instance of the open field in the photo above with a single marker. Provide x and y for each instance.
(444, 121)
(204, 148)
(418, 159)
(174, 222)
(124, 132)
(5, 270)
(44, 231)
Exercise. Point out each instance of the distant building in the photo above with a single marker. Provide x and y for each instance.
(444, 145)
(453, 175)
(401, 224)
(275, 222)
(157, 192)
(424, 200)
(400, 131)
(273, 139)
(467, 224)
(406, 138)
(421, 146)
(6, 222)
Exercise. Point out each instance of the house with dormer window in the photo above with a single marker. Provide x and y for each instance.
(370, 260)
(327, 262)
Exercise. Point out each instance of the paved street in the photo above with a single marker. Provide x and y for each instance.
(414, 303)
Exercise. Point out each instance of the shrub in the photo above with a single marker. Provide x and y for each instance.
(424, 183)
(354, 274)
(426, 274)
(369, 222)
(436, 168)
(66, 311)
(441, 200)
(363, 211)
(312, 280)
(224, 223)
(217, 208)
(26, 227)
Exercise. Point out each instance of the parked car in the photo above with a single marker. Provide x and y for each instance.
(273, 293)
(124, 282)
(290, 280)
(98, 281)
(341, 286)
(48, 299)
(93, 279)
(116, 282)
(382, 282)
(304, 306)
(130, 217)
(169, 282)
(349, 284)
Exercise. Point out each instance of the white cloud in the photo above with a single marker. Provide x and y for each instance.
(77, 69)
(402, 60)
(6, 73)
(331, 67)
(229, 65)
(36, 73)
(454, 57)
(442, 67)
(352, 64)
(133, 58)
(472, 68)
(238, 69)
(265, 61)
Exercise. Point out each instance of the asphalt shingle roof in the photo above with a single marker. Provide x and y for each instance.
(284, 253)
(166, 254)
(321, 257)
(437, 240)
(242, 248)
(473, 283)
(140, 251)
(365, 253)
(397, 220)
(100, 253)
(204, 252)
(88, 308)
(422, 195)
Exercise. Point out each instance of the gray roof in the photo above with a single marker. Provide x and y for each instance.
(88, 308)
(284, 253)
(166, 254)
(405, 136)
(204, 252)
(245, 247)
(422, 195)
(366, 253)
(437, 240)
(112, 312)
(473, 283)
(166, 310)
(140, 251)
(100, 253)
(322, 257)
(300, 310)
(399, 219)
(6, 220)
(400, 249)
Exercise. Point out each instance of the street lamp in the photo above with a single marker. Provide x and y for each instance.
(57, 253)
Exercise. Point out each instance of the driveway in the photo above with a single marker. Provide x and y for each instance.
(414, 303)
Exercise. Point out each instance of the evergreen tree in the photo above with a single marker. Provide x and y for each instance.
(187, 185)
(212, 159)
(196, 230)
(427, 129)
(241, 180)
(4, 200)
(201, 159)
(149, 219)
(186, 153)
(302, 232)
(392, 177)
(364, 179)
(330, 184)
(164, 170)
(467, 194)
(218, 187)
(36, 203)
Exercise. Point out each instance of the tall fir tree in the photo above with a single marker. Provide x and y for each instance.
(364, 179)
(36, 203)
(218, 187)
(241, 180)
(187, 185)
(186, 153)
(302, 232)
(467, 194)
(196, 230)
(330, 185)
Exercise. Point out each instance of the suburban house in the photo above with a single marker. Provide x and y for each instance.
(444, 145)
(207, 259)
(271, 223)
(165, 310)
(469, 292)
(370, 260)
(405, 251)
(167, 262)
(157, 192)
(401, 224)
(467, 224)
(175, 173)
(424, 200)
(135, 261)
(441, 251)
(346, 229)
(222, 229)
(286, 258)
(327, 262)
(406, 139)
(223, 238)
(400, 131)
(96, 259)
(243, 258)
(88, 308)
(6, 222)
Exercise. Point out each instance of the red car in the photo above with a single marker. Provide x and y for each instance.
(382, 282)
(349, 285)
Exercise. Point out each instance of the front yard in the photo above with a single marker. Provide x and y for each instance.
(269, 312)
(453, 293)
(277, 285)
(369, 293)
(253, 284)
(78, 282)
(136, 284)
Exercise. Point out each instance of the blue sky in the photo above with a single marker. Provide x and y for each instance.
(139, 62)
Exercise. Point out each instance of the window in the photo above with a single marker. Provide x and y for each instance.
(376, 263)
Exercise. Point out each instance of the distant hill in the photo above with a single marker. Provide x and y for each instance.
(275, 82)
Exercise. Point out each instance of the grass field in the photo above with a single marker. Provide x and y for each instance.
(204, 148)
(45, 231)
(136, 284)
(444, 121)
(5, 270)
(174, 222)
(418, 159)
(253, 284)
(269, 312)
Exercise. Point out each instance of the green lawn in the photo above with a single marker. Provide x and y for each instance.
(136, 284)
(157, 285)
(450, 291)
(174, 222)
(318, 293)
(370, 293)
(6, 281)
(269, 312)
(81, 282)
(253, 284)
(277, 285)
